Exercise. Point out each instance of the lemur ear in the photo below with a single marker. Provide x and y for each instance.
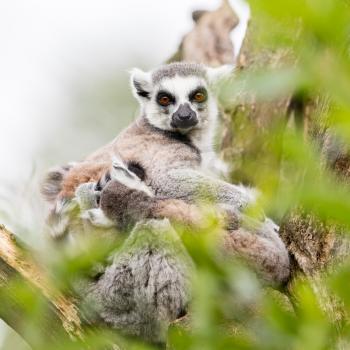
(141, 84)
(218, 73)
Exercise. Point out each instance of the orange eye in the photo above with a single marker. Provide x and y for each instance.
(199, 97)
(164, 101)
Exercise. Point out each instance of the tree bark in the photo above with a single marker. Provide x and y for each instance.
(59, 321)
(209, 41)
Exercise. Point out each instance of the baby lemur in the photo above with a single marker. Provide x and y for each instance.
(164, 164)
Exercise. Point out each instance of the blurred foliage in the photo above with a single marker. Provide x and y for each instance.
(230, 309)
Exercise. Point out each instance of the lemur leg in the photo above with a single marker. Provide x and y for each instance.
(261, 246)
(192, 185)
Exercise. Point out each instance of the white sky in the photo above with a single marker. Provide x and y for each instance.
(44, 41)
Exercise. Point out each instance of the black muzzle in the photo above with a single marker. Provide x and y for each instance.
(184, 117)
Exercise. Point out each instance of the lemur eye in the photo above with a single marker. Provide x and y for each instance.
(199, 97)
(164, 101)
(164, 98)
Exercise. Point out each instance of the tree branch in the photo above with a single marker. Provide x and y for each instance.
(60, 318)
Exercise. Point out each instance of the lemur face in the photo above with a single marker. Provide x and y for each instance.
(177, 96)
(179, 103)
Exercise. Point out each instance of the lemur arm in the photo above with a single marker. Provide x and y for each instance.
(193, 185)
(256, 242)
(125, 206)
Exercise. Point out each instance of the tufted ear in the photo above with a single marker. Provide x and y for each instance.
(218, 73)
(141, 84)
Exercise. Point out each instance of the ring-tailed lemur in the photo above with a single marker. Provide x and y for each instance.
(169, 148)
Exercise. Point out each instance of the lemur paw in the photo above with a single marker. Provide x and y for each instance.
(87, 196)
(97, 218)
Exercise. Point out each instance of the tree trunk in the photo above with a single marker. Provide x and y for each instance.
(209, 41)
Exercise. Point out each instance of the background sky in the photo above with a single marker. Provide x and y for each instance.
(64, 84)
(46, 46)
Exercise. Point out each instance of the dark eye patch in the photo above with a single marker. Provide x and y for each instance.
(137, 169)
(165, 94)
(199, 90)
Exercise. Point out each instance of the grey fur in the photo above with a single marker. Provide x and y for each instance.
(147, 285)
(193, 185)
(183, 69)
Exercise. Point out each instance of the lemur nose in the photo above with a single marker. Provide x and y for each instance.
(185, 117)
(185, 112)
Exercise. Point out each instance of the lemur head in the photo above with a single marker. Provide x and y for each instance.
(177, 96)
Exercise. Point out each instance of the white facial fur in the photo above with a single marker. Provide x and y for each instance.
(180, 87)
